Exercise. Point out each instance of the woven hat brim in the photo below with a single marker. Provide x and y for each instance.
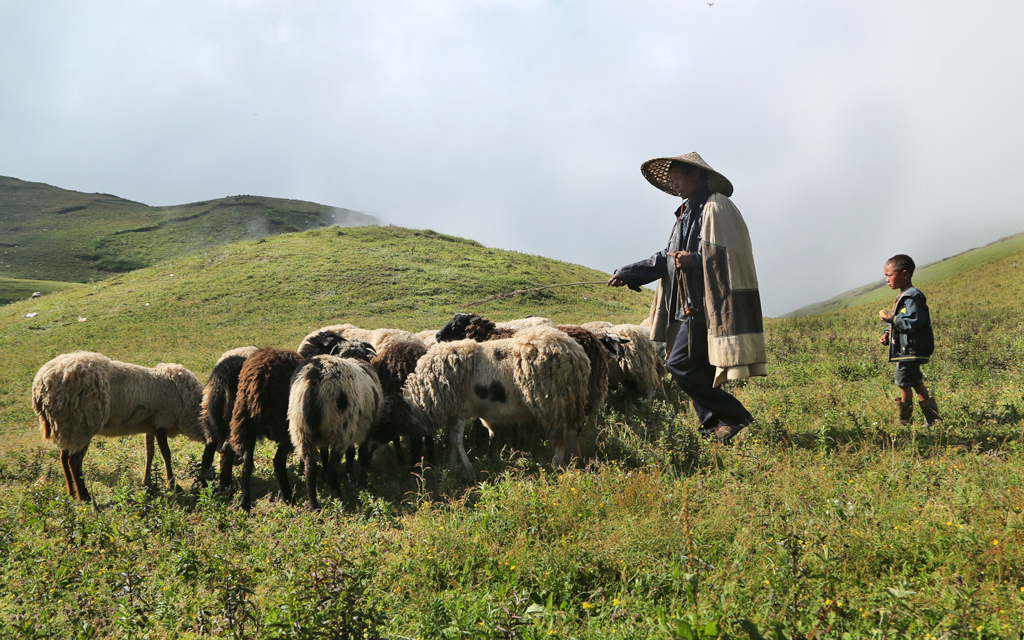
(656, 172)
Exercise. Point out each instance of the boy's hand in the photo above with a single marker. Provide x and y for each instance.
(883, 316)
(885, 339)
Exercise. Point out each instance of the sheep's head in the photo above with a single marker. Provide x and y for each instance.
(456, 327)
(355, 349)
(613, 345)
(323, 342)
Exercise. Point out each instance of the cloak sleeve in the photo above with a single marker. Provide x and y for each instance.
(732, 301)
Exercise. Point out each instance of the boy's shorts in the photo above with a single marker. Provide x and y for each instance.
(908, 374)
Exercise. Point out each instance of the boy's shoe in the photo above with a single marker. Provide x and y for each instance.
(930, 408)
(906, 410)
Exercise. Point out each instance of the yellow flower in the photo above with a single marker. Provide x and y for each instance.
(616, 602)
(587, 605)
(995, 543)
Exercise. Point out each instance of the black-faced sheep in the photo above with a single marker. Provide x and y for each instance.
(470, 326)
(215, 411)
(83, 394)
(261, 409)
(333, 403)
(640, 370)
(538, 377)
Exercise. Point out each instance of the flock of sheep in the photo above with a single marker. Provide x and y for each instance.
(346, 388)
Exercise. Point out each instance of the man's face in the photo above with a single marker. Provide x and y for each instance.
(684, 181)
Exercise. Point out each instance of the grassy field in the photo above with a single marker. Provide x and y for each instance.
(827, 519)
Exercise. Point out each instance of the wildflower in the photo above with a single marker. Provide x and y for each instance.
(995, 543)
(587, 605)
(616, 602)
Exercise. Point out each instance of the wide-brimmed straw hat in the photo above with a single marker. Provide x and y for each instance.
(656, 172)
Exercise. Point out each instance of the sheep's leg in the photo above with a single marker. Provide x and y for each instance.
(429, 454)
(245, 477)
(332, 469)
(75, 463)
(150, 450)
(69, 477)
(457, 458)
(415, 453)
(575, 453)
(559, 447)
(227, 459)
(206, 464)
(281, 470)
(165, 452)
(310, 464)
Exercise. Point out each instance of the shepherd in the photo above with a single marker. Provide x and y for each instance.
(707, 293)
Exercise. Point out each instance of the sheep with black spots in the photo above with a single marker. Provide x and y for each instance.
(600, 348)
(538, 377)
(215, 411)
(84, 394)
(332, 405)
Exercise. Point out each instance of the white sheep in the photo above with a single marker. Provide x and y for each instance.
(83, 394)
(428, 337)
(640, 369)
(376, 337)
(523, 323)
(333, 403)
(538, 377)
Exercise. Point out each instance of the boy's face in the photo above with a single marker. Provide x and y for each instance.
(896, 279)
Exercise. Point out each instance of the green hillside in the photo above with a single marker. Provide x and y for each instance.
(55, 234)
(925, 275)
(826, 519)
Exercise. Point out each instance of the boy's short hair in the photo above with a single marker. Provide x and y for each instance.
(902, 262)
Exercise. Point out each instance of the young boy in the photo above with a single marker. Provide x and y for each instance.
(909, 336)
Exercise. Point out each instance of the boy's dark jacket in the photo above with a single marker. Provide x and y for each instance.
(910, 333)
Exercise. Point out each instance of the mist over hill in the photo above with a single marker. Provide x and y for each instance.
(49, 233)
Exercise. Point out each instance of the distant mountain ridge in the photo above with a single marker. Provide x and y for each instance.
(49, 233)
(923, 276)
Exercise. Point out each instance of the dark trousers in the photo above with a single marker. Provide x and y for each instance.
(689, 366)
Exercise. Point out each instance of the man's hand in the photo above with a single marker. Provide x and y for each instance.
(615, 281)
(681, 259)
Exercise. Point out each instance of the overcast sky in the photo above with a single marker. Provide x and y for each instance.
(851, 130)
